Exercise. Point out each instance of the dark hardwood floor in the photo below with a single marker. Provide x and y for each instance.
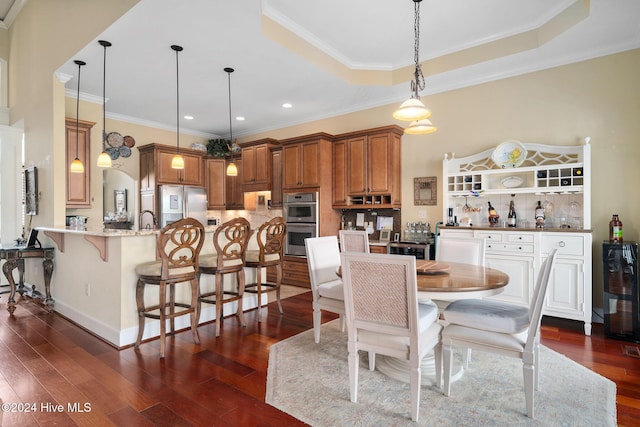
(45, 359)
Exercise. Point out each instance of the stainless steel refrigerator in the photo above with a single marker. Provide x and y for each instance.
(180, 201)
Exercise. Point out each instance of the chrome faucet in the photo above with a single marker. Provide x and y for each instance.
(153, 217)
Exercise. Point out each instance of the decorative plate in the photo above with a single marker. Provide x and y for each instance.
(509, 154)
(129, 141)
(124, 151)
(113, 152)
(198, 146)
(115, 140)
(511, 181)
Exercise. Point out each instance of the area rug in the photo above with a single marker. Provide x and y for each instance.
(311, 382)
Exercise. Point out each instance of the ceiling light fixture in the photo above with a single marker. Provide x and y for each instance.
(104, 159)
(76, 164)
(178, 161)
(413, 110)
(232, 169)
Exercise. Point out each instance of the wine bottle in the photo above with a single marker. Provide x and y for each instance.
(539, 215)
(615, 229)
(512, 214)
(493, 216)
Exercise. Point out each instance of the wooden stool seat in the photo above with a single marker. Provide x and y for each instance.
(270, 240)
(177, 248)
(230, 242)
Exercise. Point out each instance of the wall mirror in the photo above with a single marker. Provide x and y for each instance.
(118, 192)
(31, 191)
(425, 191)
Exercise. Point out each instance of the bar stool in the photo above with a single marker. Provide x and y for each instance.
(178, 248)
(230, 242)
(270, 239)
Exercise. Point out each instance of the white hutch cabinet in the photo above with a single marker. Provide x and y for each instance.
(558, 175)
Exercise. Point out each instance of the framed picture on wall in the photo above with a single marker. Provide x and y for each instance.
(385, 235)
(31, 191)
(425, 191)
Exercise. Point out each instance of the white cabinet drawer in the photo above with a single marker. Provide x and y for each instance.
(519, 238)
(511, 248)
(489, 236)
(566, 245)
(456, 234)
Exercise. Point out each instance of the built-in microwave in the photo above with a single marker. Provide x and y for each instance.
(296, 233)
(300, 208)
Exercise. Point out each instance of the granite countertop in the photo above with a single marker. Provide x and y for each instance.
(110, 232)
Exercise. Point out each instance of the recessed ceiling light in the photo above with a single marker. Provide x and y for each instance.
(287, 105)
(240, 118)
(188, 117)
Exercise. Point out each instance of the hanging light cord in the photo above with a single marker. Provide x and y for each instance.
(229, 71)
(80, 64)
(104, 91)
(177, 49)
(417, 84)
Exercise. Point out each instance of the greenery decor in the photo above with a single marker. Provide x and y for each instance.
(219, 147)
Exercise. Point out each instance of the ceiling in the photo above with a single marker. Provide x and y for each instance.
(328, 58)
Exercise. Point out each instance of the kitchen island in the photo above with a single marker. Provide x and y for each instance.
(94, 281)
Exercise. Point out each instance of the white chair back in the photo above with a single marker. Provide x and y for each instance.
(468, 251)
(354, 241)
(537, 304)
(323, 259)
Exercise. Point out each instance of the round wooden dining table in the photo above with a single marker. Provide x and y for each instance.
(450, 281)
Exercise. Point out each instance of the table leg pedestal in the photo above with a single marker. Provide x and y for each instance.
(399, 369)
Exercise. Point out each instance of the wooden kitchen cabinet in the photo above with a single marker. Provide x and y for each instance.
(301, 162)
(276, 177)
(215, 183)
(234, 195)
(367, 168)
(78, 191)
(192, 174)
(256, 165)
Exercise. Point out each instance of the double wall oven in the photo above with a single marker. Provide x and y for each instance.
(301, 216)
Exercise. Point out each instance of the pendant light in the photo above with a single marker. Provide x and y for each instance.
(104, 159)
(76, 164)
(232, 169)
(178, 161)
(413, 110)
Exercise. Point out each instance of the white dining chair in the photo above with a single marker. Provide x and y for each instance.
(354, 241)
(464, 250)
(384, 317)
(500, 328)
(323, 260)
(468, 251)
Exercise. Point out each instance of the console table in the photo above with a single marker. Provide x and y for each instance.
(15, 256)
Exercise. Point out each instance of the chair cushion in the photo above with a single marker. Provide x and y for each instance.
(488, 315)
(254, 256)
(211, 261)
(333, 290)
(427, 314)
(515, 342)
(154, 268)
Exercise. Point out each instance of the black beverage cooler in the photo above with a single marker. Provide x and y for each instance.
(620, 271)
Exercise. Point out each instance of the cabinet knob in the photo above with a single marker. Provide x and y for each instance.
(561, 244)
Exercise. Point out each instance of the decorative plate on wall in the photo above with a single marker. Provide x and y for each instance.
(114, 139)
(509, 154)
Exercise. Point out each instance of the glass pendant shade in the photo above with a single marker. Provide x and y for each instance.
(412, 109)
(104, 160)
(177, 162)
(232, 169)
(420, 127)
(76, 166)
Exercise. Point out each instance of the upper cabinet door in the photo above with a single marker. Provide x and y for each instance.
(78, 191)
(192, 174)
(291, 166)
(215, 183)
(379, 167)
(256, 161)
(357, 165)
